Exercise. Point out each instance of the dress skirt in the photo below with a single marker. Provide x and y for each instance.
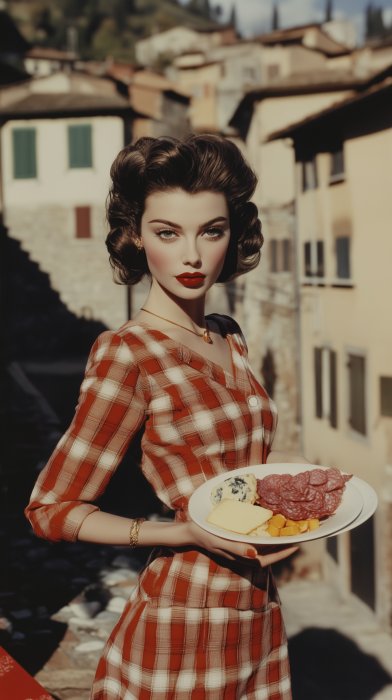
(184, 653)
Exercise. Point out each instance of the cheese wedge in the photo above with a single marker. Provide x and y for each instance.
(238, 517)
(239, 488)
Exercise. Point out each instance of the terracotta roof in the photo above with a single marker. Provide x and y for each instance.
(49, 54)
(300, 84)
(35, 105)
(298, 35)
(374, 91)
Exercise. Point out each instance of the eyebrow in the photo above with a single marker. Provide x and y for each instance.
(173, 225)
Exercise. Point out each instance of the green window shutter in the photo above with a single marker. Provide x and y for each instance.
(80, 146)
(25, 157)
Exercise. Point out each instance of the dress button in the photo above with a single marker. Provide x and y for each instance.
(253, 400)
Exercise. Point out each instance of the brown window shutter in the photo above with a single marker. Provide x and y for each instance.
(83, 223)
(356, 366)
(318, 382)
(333, 416)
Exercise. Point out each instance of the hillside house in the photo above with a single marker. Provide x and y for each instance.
(344, 218)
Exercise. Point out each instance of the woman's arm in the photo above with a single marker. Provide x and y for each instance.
(104, 528)
(110, 411)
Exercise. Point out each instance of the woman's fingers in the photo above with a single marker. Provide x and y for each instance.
(273, 557)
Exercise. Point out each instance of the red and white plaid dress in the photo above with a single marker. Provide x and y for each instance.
(197, 626)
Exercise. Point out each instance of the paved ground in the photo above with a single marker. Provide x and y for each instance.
(337, 649)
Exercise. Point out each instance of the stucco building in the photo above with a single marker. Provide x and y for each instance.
(344, 218)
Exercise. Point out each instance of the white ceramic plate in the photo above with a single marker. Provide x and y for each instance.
(370, 503)
(200, 506)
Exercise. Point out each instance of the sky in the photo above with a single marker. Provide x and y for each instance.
(254, 16)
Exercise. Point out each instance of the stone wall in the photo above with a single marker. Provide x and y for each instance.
(78, 268)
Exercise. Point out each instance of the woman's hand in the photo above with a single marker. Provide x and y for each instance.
(277, 457)
(254, 554)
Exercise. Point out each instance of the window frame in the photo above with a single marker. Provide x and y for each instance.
(304, 163)
(76, 125)
(325, 379)
(388, 379)
(30, 129)
(336, 177)
(348, 239)
(350, 432)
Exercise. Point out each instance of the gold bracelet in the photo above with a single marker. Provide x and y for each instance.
(134, 534)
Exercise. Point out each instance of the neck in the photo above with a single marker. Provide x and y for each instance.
(183, 311)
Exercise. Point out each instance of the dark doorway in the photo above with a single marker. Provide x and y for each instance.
(362, 562)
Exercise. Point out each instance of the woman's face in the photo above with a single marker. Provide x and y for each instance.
(185, 237)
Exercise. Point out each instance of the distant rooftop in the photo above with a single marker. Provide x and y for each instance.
(311, 36)
(50, 104)
(44, 52)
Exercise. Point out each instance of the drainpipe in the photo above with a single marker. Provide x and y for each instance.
(297, 297)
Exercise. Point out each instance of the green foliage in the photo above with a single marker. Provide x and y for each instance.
(375, 26)
(275, 18)
(106, 27)
(328, 11)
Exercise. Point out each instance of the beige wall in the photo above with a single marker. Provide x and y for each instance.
(354, 319)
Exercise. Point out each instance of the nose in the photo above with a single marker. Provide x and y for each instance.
(191, 254)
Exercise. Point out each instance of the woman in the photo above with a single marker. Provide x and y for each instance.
(204, 620)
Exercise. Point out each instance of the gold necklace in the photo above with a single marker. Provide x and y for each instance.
(205, 335)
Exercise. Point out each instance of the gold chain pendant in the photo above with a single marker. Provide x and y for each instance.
(206, 336)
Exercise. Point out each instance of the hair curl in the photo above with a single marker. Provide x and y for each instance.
(204, 163)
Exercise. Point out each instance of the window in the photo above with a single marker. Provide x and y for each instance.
(273, 71)
(326, 385)
(286, 243)
(343, 257)
(314, 259)
(386, 396)
(249, 73)
(280, 255)
(83, 223)
(24, 151)
(309, 175)
(337, 166)
(80, 146)
(356, 375)
(362, 562)
(274, 255)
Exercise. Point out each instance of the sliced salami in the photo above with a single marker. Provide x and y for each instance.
(313, 494)
(317, 477)
(335, 479)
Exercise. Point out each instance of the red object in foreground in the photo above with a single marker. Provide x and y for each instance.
(16, 683)
(312, 494)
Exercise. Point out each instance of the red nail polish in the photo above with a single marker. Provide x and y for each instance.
(252, 553)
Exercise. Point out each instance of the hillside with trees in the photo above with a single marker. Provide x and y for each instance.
(105, 27)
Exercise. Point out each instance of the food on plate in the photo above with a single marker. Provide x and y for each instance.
(238, 517)
(273, 530)
(278, 526)
(278, 520)
(261, 531)
(238, 488)
(314, 524)
(310, 495)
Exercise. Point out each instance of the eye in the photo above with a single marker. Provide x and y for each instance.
(166, 234)
(214, 232)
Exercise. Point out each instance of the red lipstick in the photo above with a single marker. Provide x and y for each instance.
(189, 279)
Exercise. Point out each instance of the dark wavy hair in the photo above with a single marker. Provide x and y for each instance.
(204, 163)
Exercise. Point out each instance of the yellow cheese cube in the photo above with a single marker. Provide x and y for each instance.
(273, 531)
(279, 521)
(290, 531)
(238, 517)
(313, 524)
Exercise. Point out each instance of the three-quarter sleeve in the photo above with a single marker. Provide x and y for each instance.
(111, 409)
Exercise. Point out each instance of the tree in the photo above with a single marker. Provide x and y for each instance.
(233, 17)
(275, 18)
(329, 11)
(374, 22)
(200, 7)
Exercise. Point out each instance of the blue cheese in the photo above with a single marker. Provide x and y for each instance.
(237, 488)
